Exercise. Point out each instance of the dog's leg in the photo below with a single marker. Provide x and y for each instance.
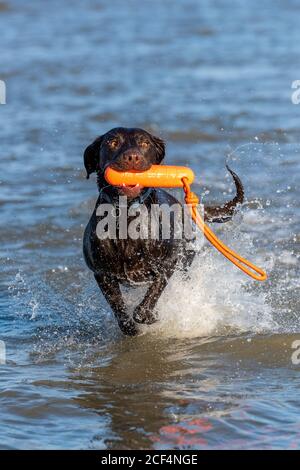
(111, 290)
(143, 313)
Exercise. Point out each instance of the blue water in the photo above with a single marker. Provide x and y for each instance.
(214, 80)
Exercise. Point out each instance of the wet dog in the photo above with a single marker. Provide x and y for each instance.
(116, 261)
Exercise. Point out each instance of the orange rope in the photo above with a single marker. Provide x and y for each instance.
(192, 201)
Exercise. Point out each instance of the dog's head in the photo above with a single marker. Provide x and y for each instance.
(124, 149)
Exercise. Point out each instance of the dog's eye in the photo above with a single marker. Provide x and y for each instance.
(145, 144)
(113, 144)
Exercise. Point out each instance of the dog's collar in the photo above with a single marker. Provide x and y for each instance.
(135, 201)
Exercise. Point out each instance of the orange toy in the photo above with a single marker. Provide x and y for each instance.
(158, 176)
(180, 176)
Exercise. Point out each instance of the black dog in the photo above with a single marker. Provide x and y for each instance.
(116, 261)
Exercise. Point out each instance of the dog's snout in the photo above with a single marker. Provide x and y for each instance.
(134, 158)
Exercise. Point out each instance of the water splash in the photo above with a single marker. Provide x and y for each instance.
(213, 300)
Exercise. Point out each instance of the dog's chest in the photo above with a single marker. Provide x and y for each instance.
(133, 258)
(139, 260)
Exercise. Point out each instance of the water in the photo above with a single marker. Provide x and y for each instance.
(214, 79)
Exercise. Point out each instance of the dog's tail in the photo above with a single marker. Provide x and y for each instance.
(225, 212)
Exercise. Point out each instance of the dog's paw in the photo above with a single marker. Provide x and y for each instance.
(129, 328)
(145, 316)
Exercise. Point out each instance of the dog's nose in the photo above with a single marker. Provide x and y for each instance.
(132, 159)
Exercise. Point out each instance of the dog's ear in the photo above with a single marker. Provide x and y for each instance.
(160, 148)
(91, 157)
